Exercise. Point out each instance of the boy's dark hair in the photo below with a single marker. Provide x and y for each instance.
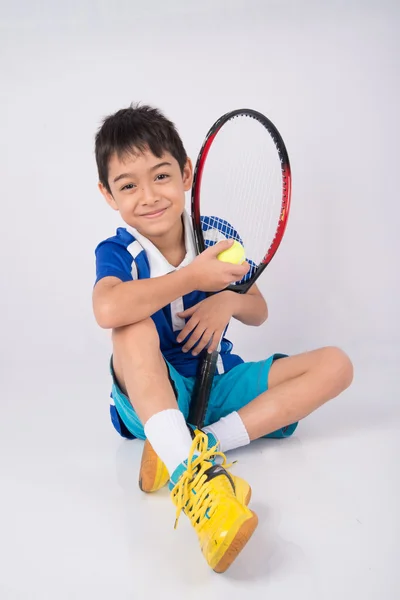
(136, 129)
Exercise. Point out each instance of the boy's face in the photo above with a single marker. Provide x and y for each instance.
(149, 192)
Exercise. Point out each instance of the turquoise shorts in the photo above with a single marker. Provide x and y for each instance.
(230, 392)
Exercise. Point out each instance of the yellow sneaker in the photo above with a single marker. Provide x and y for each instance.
(153, 474)
(205, 492)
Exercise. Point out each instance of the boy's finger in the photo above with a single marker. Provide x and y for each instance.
(206, 338)
(239, 270)
(220, 247)
(188, 312)
(214, 341)
(190, 325)
(194, 338)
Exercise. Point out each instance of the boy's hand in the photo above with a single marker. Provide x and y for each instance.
(212, 275)
(207, 322)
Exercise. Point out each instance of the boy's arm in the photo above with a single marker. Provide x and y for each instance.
(250, 308)
(117, 303)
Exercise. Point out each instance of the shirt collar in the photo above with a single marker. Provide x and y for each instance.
(157, 262)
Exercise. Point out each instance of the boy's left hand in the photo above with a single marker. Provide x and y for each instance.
(207, 322)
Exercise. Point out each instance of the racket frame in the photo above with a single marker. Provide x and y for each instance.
(203, 384)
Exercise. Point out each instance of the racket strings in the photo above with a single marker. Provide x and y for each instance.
(242, 188)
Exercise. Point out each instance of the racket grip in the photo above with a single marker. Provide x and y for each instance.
(202, 390)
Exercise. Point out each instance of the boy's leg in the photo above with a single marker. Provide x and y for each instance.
(203, 490)
(143, 376)
(141, 370)
(297, 386)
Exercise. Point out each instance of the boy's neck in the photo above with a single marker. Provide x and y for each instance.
(172, 244)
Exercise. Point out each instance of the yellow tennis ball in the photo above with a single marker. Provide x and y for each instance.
(235, 254)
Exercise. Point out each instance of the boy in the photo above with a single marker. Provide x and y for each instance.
(150, 291)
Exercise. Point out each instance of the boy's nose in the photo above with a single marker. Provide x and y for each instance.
(149, 196)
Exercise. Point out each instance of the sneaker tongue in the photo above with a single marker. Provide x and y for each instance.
(179, 471)
(212, 440)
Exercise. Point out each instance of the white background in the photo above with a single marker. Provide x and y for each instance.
(328, 75)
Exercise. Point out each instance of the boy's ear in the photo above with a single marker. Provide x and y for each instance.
(187, 175)
(109, 198)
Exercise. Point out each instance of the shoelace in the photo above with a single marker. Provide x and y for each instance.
(192, 491)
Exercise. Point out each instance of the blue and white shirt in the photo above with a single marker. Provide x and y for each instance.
(129, 256)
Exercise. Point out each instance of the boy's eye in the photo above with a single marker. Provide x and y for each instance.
(129, 186)
(162, 176)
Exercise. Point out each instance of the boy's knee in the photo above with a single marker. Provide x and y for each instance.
(136, 335)
(340, 366)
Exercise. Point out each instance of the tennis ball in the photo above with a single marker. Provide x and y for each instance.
(235, 254)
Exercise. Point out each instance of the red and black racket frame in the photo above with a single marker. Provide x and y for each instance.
(202, 389)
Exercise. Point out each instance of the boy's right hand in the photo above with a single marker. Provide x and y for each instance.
(212, 275)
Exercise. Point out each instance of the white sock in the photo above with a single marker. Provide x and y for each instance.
(169, 435)
(229, 431)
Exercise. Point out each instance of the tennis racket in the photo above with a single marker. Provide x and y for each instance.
(241, 190)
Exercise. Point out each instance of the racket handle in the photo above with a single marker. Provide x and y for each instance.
(202, 390)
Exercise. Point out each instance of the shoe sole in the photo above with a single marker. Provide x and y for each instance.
(154, 480)
(238, 543)
(152, 476)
